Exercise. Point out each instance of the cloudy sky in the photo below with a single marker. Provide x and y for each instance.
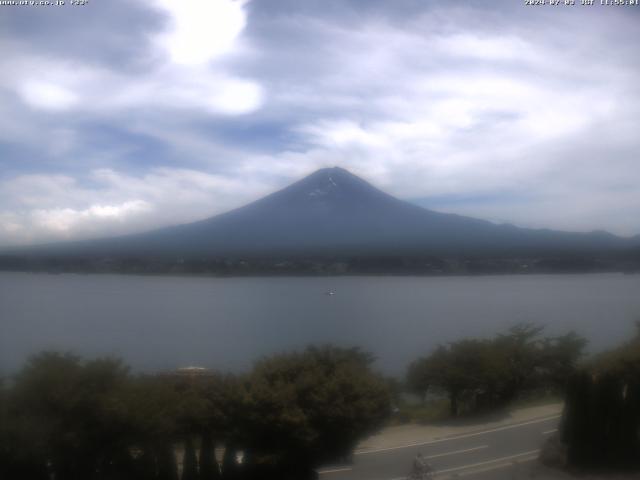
(120, 116)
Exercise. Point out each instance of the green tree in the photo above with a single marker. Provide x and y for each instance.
(602, 410)
(483, 374)
(209, 469)
(230, 467)
(74, 410)
(421, 375)
(154, 412)
(307, 408)
(559, 357)
(520, 350)
(209, 405)
(190, 462)
(467, 371)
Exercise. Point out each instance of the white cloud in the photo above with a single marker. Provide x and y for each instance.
(64, 220)
(201, 30)
(431, 111)
(342, 133)
(186, 76)
(485, 47)
(460, 102)
(48, 96)
(37, 208)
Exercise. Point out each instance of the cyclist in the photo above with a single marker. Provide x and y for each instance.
(421, 469)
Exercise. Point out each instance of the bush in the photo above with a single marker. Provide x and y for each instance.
(311, 407)
(601, 425)
(486, 374)
(68, 418)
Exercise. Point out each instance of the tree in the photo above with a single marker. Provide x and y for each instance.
(210, 405)
(190, 462)
(76, 412)
(602, 410)
(230, 468)
(481, 374)
(156, 416)
(520, 350)
(311, 407)
(209, 469)
(224, 420)
(559, 358)
(421, 375)
(468, 371)
(21, 454)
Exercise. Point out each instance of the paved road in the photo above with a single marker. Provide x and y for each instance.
(494, 453)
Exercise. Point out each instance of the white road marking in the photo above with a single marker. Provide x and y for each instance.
(550, 431)
(480, 464)
(467, 435)
(494, 467)
(458, 451)
(487, 462)
(438, 455)
(335, 470)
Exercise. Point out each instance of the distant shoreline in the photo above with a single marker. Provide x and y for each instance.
(321, 274)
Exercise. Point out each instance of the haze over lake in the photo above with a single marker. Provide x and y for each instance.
(157, 323)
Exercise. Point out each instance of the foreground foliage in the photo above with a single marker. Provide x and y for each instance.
(485, 374)
(601, 425)
(72, 419)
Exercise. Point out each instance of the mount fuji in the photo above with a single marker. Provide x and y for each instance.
(333, 212)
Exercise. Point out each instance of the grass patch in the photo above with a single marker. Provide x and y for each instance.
(428, 412)
(537, 400)
(437, 409)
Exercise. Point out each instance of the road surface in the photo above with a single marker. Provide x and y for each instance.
(494, 453)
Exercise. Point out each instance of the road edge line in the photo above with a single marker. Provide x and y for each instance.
(456, 437)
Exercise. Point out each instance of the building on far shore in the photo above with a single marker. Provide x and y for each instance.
(192, 371)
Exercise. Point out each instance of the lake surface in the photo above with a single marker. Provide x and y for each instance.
(157, 323)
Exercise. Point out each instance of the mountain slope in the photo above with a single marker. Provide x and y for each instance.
(332, 212)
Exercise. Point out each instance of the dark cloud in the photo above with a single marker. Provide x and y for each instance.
(114, 32)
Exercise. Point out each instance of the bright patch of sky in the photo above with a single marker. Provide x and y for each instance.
(119, 117)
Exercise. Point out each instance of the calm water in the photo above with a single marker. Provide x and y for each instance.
(165, 322)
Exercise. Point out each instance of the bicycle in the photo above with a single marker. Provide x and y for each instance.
(427, 474)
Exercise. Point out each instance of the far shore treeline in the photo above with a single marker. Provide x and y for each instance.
(70, 418)
(330, 264)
